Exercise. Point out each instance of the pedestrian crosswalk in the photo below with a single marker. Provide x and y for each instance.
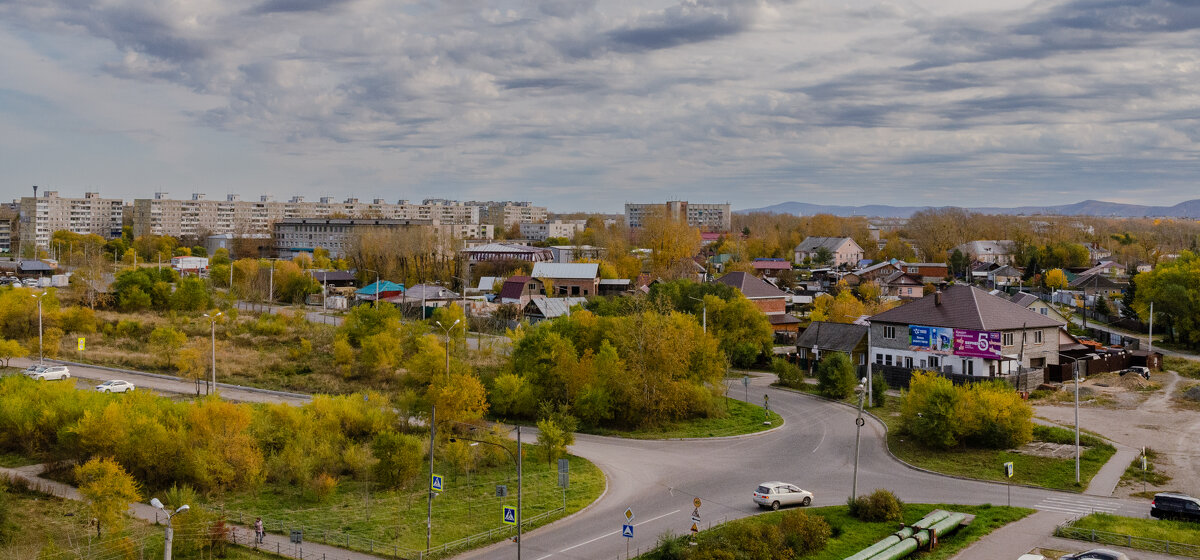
(1078, 505)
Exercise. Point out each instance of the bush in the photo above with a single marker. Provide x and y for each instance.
(879, 389)
(789, 374)
(323, 486)
(993, 415)
(835, 376)
(928, 410)
(880, 505)
(400, 458)
(77, 320)
(805, 533)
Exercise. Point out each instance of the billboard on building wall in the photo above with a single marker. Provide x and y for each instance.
(931, 339)
(977, 344)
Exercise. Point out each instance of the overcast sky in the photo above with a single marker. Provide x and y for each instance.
(587, 104)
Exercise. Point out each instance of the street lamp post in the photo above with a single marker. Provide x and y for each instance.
(376, 285)
(519, 477)
(1075, 378)
(213, 320)
(170, 535)
(704, 307)
(39, 297)
(447, 331)
(861, 389)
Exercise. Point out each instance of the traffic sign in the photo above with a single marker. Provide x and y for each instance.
(696, 502)
(695, 518)
(510, 515)
(501, 490)
(745, 381)
(695, 529)
(860, 422)
(627, 531)
(1008, 469)
(437, 483)
(81, 343)
(628, 514)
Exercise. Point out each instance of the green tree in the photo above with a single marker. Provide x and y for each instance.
(929, 410)
(835, 376)
(190, 295)
(959, 264)
(553, 440)
(108, 491)
(400, 458)
(879, 389)
(823, 256)
(166, 342)
(1174, 289)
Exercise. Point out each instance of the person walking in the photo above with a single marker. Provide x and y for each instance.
(258, 531)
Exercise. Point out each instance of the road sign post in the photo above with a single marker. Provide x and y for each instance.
(766, 410)
(510, 515)
(746, 386)
(1008, 473)
(437, 483)
(695, 521)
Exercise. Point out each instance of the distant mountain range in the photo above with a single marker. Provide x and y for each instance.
(1188, 209)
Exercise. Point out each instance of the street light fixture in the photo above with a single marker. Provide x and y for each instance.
(170, 537)
(39, 297)
(376, 285)
(1075, 380)
(447, 331)
(519, 478)
(213, 319)
(861, 390)
(704, 305)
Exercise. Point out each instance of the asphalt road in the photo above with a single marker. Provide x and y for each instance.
(814, 449)
(88, 377)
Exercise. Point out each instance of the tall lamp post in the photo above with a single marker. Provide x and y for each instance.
(447, 331)
(213, 320)
(170, 536)
(376, 285)
(861, 389)
(39, 297)
(704, 307)
(519, 479)
(1075, 378)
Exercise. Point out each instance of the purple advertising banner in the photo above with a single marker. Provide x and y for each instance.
(977, 344)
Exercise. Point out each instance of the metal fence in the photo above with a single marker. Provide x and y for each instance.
(1069, 531)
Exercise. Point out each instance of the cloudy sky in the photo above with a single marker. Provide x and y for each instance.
(587, 104)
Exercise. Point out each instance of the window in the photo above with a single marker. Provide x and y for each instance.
(889, 331)
(887, 360)
(1037, 362)
(879, 358)
(1007, 339)
(968, 367)
(933, 362)
(1037, 337)
(908, 363)
(913, 270)
(1044, 311)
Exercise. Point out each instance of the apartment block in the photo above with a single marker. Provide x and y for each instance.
(707, 217)
(42, 216)
(557, 228)
(293, 236)
(507, 214)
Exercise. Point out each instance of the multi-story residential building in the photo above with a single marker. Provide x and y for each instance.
(294, 236)
(6, 232)
(507, 214)
(46, 214)
(707, 217)
(200, 216)
(557, 228)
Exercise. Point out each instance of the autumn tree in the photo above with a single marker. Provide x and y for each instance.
(108, 491)
(552, 440)
(938, 230)
(10, 349)
(1055, 279)
(166, 341)
(928, 410)
(898, 249)
(835, 376)
(672, 243)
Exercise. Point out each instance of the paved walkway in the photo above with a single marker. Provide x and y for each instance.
(1105, 482)
(1036, 532)
(241, 535)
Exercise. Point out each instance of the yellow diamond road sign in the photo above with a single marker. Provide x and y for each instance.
(628, 514)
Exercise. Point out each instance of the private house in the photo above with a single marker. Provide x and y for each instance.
(964, 330)
(1092, 284)
(770, 300)
(902, 285)
(843, 250)
(929, 273)
(770, 268)
(1107, 268)
(519, 289)
(380, 290)
(821, 337)
(614, 286)
(424, 295)
(572, 253)
(874, 273)
(541, 308)
(1006, 275)
(980, 270)
(335, 278)
(1035, 304)
(568, 279)
(989, 251)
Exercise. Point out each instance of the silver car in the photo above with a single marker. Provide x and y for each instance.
(48, 373)
(777, 494)
(115, 386)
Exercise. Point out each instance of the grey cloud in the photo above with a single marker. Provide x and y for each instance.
(691, 22)
(291, 6)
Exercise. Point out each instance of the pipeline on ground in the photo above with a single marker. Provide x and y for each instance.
(910, 539)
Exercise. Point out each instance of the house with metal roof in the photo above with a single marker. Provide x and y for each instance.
(519, 289)
(770, 300)
(967, 331)
(845, 251)
(822, 337)
(989, 250)
(1034, 303)
(568, 279)
(507, 252)
(541, 308)
(382, 289)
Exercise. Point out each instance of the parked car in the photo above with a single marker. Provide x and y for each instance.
(1172, 505)
(49, 373)
(115, 386)
(34, 368)
(1096, 554)
(1140, 370)
(1031, 556)
(776, 494)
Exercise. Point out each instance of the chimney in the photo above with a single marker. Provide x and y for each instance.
(937, 297)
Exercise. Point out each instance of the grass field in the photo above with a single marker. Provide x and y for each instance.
(467, 506)
(987, 464)
(851, 535)
(1184, 366)
(1176, 531)
(741, 418)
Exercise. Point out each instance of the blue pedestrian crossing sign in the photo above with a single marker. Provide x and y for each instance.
(437, 483)
(510, 515)
(1008, 469)
(627, 531)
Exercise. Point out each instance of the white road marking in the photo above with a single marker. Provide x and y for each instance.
(612, 533)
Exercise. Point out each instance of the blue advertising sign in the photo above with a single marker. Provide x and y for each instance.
(931, 339)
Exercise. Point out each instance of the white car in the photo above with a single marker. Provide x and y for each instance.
(115, 386)
(49, 373)
(777, 494)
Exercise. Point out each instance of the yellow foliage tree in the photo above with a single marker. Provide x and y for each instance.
(1056, 279)
(108, 490)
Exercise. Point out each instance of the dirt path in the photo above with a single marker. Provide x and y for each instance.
(1153, 423)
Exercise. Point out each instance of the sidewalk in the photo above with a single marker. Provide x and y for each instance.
(1105, 482)
(1037, 532)
(242, 536)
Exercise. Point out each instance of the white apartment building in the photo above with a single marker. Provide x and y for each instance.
(293, 236)
(557, 228)
(707, 217)
(506, 214)
(46, 214)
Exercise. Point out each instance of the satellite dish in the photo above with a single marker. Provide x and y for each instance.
(154, 502)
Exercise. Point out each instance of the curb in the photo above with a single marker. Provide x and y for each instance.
(182, 380)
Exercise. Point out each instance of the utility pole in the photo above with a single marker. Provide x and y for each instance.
(429, 513)
(858, 422)
(271, 288)
(520, 459)
(39, 297)
(213, 320)
(1151, 357)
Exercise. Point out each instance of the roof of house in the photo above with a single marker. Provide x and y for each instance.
(504, 248)
(811, 244)
(840, 337)
(380, 287)
(1095, 281)
(771, 264)
(614, 282)
(1024, 299)
(427, 292)
(782, 319)
(488, 283)
(966, 307)
(332, 276)
(566, 271)
(981, 266)
(1005, 270)
(552, 307)
(514, 287)
(892, 263)
(34, 266)
(750, 285)
(1102, 268)
(903, 279)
